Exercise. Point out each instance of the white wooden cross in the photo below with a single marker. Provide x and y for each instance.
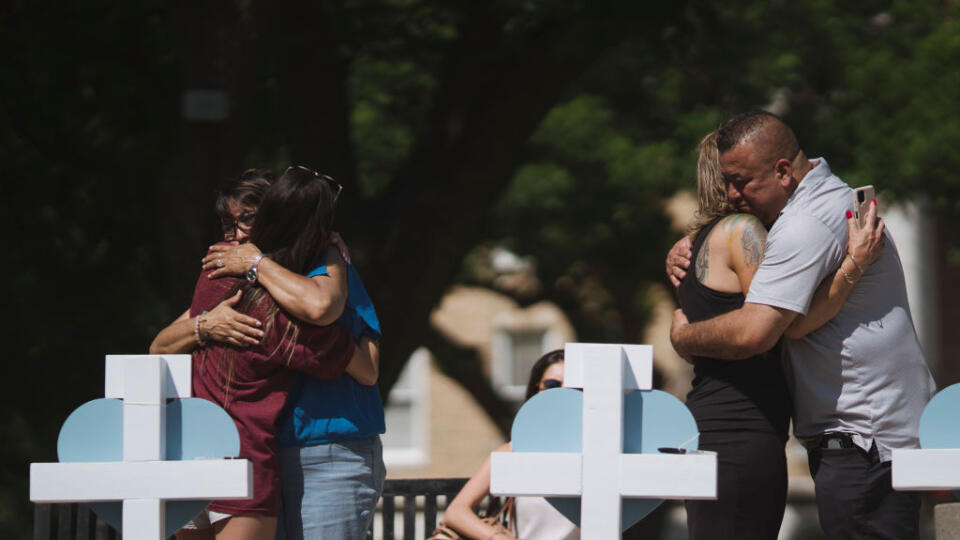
(937, 465)
(143, 480)
(602, 474)
(916, 469)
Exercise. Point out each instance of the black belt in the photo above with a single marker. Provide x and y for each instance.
(834, 441)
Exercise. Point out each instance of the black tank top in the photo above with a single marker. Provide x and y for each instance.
(748, 394)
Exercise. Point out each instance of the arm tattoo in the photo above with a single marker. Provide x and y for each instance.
(730, 223)
(753, 243)
(703, 262)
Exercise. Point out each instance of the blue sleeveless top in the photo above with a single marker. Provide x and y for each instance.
(326, 411)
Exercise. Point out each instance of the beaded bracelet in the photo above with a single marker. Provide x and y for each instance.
(196, 332)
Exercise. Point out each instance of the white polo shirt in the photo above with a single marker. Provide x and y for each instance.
(863, 372)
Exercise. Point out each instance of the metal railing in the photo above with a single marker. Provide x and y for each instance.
(417, 498)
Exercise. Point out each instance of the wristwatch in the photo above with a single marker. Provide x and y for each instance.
(252, 272)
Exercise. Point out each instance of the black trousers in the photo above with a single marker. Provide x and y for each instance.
(855, 499)
(751, 488)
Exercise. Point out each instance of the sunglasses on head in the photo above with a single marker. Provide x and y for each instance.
(337, 187)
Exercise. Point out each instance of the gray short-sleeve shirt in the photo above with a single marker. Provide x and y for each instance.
(863, 372)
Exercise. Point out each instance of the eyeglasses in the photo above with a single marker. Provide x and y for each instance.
(547, 384)
(337, 187)
(243, 224)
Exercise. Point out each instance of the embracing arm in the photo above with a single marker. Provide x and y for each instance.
(678, 260)
(321, 351)
(223, 324)
(749, 330)
(736, 335)
(177, 338)
(318, 300)
(864, 246)
(461, 515)
(364, 367)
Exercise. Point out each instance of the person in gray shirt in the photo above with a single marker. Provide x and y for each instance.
(860, 381)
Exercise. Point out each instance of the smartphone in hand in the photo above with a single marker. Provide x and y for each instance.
(862, 198)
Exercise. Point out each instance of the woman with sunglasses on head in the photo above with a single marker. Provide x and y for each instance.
(535, 517)
(331, 456)
(742, 407)
(252, 383)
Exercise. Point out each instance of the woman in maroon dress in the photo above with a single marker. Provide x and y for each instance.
(292, 228)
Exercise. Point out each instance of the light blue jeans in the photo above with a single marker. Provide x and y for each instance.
(330, 490)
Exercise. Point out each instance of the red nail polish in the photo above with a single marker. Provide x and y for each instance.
(874, 202)
(849, 214)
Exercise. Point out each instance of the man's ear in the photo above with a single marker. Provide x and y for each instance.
(784, 171)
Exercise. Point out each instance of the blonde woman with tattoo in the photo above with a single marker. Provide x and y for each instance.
(742, 408)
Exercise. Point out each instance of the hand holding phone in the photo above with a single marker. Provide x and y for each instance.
(862, 198)
(865, 230)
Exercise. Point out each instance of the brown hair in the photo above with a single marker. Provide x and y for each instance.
(247, 189)
(711, 189)
(538, 369)
(293, 227)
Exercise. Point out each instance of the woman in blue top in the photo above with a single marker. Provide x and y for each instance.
(331, 459)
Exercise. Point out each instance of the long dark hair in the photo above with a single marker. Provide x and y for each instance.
(292, 227)
(539, 367)
(295, 220)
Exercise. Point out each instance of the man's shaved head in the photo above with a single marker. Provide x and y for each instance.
(771, 137)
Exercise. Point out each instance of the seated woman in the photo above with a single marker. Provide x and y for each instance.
(535, 517)
(742, 407)
(251, 384)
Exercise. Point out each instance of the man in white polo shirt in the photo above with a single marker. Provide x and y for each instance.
(860, 381)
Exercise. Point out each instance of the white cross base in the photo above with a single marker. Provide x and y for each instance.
(922, 470)
(602, 474)
(143, 480)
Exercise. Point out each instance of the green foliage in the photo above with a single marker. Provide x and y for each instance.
(385, 116)
(590, 211)
(900, 108)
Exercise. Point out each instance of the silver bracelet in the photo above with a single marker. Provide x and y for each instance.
(847, 276)
(855, 263)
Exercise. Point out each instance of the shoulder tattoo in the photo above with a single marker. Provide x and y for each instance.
(730, 223)
(753, 240)
(703, 262)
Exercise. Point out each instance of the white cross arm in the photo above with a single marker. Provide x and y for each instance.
(669, 476)
(919, 470)
(657, 476)
(541, 474)
(145, 370)
(637, 362)
(118, 480)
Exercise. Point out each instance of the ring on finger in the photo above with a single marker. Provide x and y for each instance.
(220, 262)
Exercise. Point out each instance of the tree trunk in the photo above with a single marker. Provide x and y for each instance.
(217, 43)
